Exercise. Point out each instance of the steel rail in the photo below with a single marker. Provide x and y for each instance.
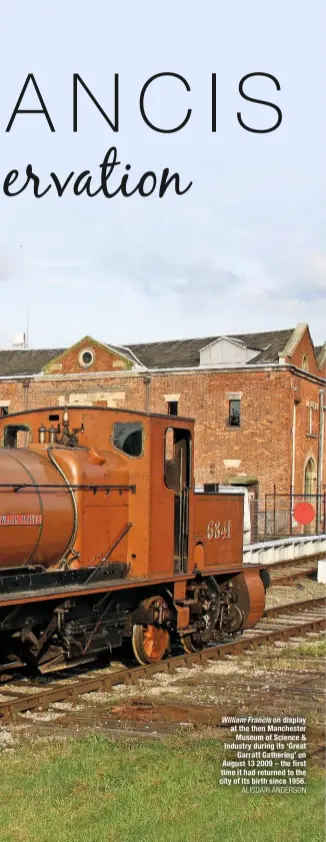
(45, 697)
(292, 607)
(293, 562)
(301, 567)
(292, 577)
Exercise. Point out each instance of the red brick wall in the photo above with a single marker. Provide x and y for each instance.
(262, 444)
(307, 443)
(14, 393)
(50, 392)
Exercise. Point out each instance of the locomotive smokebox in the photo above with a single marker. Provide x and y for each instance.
(36, 510)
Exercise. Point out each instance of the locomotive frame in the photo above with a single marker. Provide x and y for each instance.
(103, 539)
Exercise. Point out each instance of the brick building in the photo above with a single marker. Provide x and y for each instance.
(257, 398)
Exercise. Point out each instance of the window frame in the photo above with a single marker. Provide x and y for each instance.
(177, 435)
(173, 403)
(125, 424)
(19, 428)
(231, 425)
(81, 354)
(311, 421)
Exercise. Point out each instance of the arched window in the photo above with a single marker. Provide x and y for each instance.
(310, 478)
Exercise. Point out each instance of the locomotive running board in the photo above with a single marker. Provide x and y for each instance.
(32, 579)
(22, 592)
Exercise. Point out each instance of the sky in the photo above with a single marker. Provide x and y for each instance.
(243, 250)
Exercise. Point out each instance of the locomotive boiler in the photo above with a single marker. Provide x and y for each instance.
(103, 540)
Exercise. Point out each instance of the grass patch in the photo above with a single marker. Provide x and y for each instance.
(94, 790)
(286, 657)
(312, 649)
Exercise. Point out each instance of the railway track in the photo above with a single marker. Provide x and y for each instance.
(289, 571)
(280, 623)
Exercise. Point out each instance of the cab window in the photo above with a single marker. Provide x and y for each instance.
(16, 435)
(177, 458)
(129, 437)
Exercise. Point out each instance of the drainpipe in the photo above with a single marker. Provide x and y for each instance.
(293, 444)
(322, 409)
(26, 385)
(147, 382)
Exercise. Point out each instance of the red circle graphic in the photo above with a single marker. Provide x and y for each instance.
(304, 513)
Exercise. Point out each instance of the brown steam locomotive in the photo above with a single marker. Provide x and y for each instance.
(102, 538)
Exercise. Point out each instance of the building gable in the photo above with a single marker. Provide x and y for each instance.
(88, 356)
(300, 351)
(226, 350)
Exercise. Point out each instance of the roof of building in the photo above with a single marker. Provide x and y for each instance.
(186, 352)
(19, 362)
(178, 353)
(320, 351)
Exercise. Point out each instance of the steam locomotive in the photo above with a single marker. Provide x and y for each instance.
(103, 540)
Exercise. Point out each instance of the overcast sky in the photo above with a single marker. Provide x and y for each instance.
(243, 250)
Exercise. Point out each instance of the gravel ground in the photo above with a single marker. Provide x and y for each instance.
(275, 678)
(303, 589)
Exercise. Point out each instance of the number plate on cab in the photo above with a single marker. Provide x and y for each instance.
(217, 530)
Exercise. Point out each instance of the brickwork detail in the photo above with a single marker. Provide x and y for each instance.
(260, 449)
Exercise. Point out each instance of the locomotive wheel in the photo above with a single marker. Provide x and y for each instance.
(191, 645)
(150, 642)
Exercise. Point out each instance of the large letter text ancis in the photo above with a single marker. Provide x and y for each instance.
(111, 182)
